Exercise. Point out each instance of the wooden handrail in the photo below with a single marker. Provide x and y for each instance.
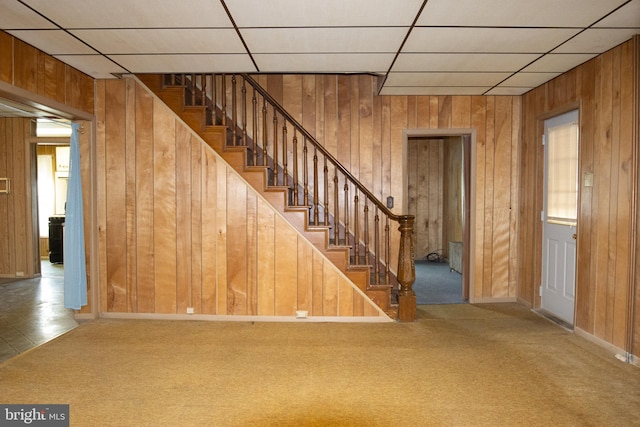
(321, 149)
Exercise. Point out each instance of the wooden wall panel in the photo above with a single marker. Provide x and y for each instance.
(51, 78)
(605, 90)
(27, 68)
(115, 197)
(183, 230)
(426, 180)
(209, 230)
(237, 252)
(131, 202)
(452, 227)
(86, 143)
(634, 301)
(143, 283)
(374, 146)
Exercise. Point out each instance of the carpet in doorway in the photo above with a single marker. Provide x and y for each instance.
(436, 284)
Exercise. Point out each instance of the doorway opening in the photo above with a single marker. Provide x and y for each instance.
(52, 153)
(438, 195)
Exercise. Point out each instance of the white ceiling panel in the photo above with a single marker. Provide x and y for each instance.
(627, 16)
(528, 79)
(162, 40)
(324, 63)
(596, 40)
(96, 66)
(329, 40)
(323, 13)
(53, 42)
(456, 46)
(520, 40)
(557, 63)
(445, 79)
(472, 62)
(508, 91)
(433, 90)
(516, 13)
(238, 63)
(132, 14)
(17, 16)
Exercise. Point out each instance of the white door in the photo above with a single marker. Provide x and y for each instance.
(560, 216)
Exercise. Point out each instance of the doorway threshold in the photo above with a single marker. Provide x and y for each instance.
(553, 319)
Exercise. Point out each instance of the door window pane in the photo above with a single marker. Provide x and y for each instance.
(562, 187)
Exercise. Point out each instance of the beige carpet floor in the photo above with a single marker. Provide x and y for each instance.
(458, 365)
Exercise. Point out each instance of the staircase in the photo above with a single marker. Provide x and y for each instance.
(236, 117)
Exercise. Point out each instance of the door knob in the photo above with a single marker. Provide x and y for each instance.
(575, 236)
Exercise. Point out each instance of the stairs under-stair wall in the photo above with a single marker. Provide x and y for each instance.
(368, 271)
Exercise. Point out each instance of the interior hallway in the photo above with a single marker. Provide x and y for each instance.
(32, 311)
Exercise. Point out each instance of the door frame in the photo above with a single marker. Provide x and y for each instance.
(569, 117)
(48, 107)
(468, 136)
(539, 202)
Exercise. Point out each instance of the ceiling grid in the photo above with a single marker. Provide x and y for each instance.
(434, 47)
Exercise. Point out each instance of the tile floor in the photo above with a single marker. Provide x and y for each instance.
(32, 311)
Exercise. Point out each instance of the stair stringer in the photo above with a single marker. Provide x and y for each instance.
(255, 177)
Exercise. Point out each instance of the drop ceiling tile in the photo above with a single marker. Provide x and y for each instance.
(471, 62)
(53, 42)
(96, 66)
(627, 16)
(519, 40)
(558, 63)
(323, 13)
(192, 40)
(17, 16)
(445, 79)
(528, 79)
(324, 63)
(238, 63)
(596, 40)
(516, 13)
(431, 90)
(508, 91)
(132, 14)
(329, 40)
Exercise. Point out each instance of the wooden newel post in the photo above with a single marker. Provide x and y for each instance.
(406, 271)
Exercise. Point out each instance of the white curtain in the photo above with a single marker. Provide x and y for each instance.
(75, 271)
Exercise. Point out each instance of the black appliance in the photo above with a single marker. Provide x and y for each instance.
(56, 236)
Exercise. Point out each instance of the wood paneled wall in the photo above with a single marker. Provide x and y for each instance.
(434, 193)
(426, 194)
(16, 235)
(25, 67)
(178, 228)
(605, 91)
(365, 133)
(452, 193)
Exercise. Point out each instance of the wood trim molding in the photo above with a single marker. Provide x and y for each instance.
(232, 318)
(46, 105)
(471, 208)
(633, 316)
